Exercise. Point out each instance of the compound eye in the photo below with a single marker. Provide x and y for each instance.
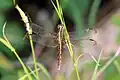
(94, 42)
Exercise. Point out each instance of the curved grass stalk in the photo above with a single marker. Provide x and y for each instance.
(117, 65)
(6, 42)
(108, 63)
(97, 65)
(29, 30)
(32, 72)
(93, 13)
(66, 35)
(44, 70)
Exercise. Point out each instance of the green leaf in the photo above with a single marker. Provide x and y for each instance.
(7, 74)
(15, 35)
(118, 38)
(110, 72)
(75, 10)
(2, 19)
(5, 4)
(116, 20)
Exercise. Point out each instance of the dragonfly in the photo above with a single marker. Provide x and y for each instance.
(46, 38)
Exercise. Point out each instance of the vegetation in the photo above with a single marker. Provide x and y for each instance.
(11, 45)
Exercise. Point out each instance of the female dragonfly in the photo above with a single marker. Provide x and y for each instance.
(46, 38)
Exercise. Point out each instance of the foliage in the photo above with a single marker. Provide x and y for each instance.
(11, 43)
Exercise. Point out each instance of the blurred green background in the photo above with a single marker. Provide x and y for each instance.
(82, 13)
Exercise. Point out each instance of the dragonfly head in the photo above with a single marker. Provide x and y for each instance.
(60, 26)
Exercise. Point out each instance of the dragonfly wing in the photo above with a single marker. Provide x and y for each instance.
(40, 30)
(87, 32)
(37, 29)
(79, 41)
(45, 41)
(43, 36)
(75, 41)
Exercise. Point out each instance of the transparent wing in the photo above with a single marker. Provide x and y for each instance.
(40, 30)
(43, 37)
(74, 40)
(45, 41)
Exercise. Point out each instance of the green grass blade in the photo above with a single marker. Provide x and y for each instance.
(44, 70)
(29, 29)
(7, 44)
(97, 65)
(108, 63)
(67, 39)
